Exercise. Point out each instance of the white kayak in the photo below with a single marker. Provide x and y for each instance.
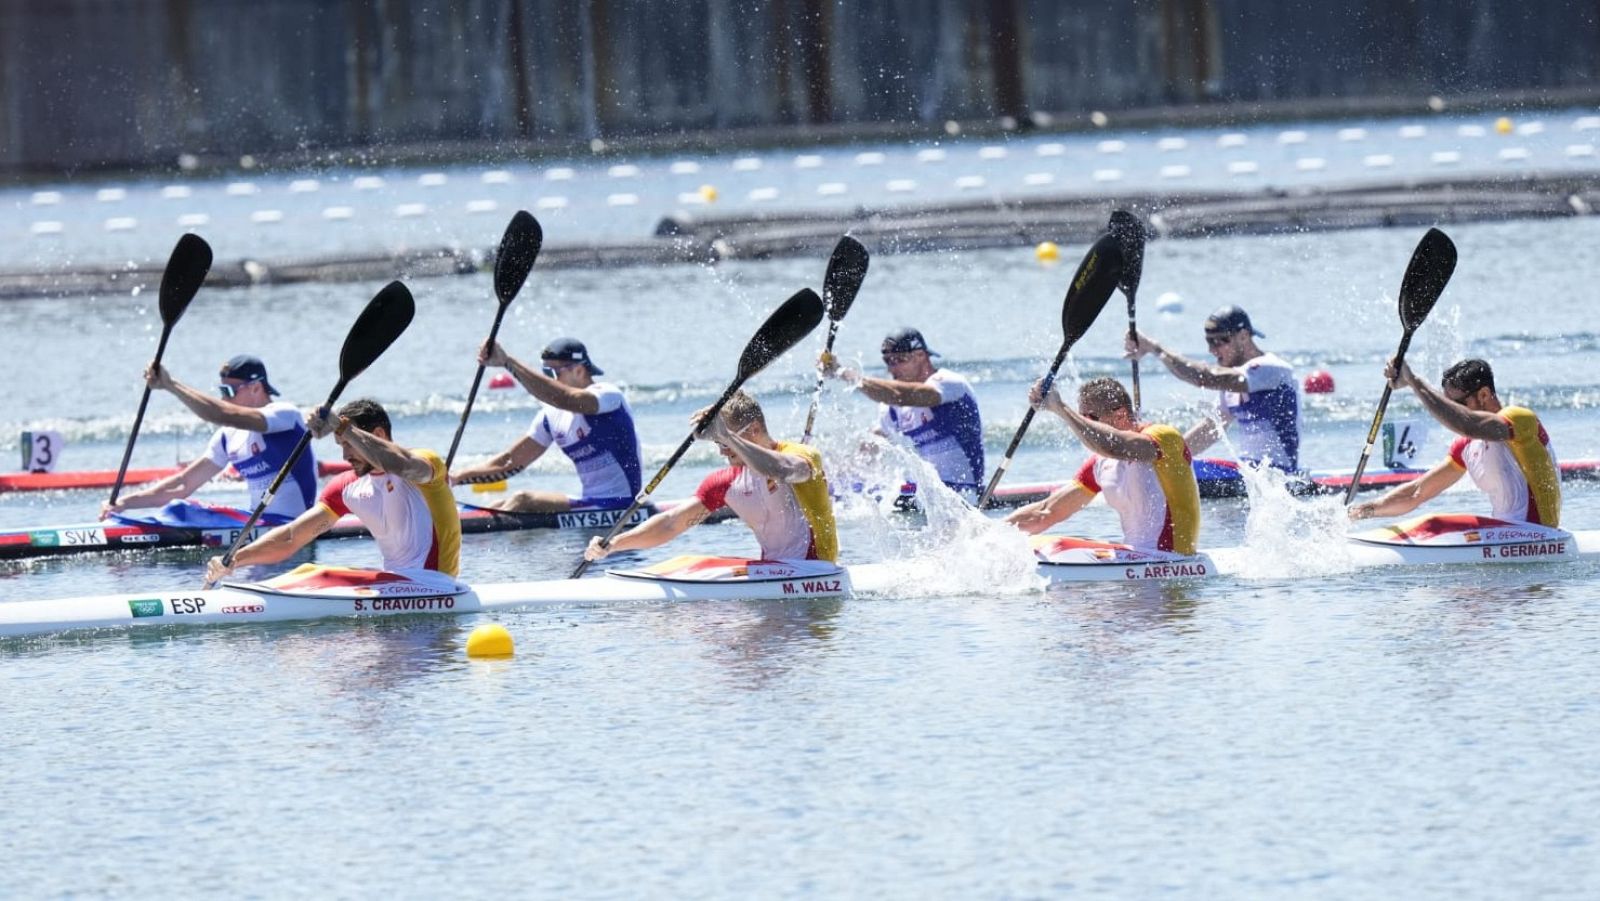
(1064, 558)
(317, 592)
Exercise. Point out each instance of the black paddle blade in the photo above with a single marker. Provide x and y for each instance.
(519, 247)
(847, 269)
(784, 329)
(1432, 264)
(385, 319)
(1131, 235)
(186, 270)
(1091, 287)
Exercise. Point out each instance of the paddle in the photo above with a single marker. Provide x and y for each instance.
(384, 319)
(186, 270)
(1091, 287)
(1431, 265)
(1130, 233)
(519, 247)
(847, 269)
(783, 329)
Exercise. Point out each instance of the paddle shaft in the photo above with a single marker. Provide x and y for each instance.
(649, 489)
(1027, 420)
(138, 418)
(1377, 422)
(472, 395)
(1133, 335)
(816, 393)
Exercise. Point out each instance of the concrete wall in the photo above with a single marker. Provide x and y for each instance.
(95, 82)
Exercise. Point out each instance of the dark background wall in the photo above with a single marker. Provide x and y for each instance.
(97, 82)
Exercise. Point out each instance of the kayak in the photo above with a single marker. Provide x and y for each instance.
(312, 592)
(186, 524)
(105, 478)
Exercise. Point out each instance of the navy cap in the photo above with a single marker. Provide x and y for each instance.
(570, 349)
(1229, 319)
(906, 340)
(248, 369)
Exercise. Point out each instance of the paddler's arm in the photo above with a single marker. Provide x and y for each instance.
(1097, 436)
(383, 454)
(1203, 375)
(1403, 499)
(657, 530)
(175, 487)
(278, 544)
(900, 394)
(1060, 505)
(546, 389)
(773, 464)
(503, 465)
(1457, 418)
(214, 410)
(1201, 435)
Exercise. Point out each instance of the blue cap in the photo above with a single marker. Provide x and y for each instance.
(570, 349)
(906, 340)
(248, 369)
(1229, 319)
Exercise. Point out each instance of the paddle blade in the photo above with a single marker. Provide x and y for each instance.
(1432, 264)
(384, 320)
(519, 247)
(847, 269)
(1091, 287)
(784, 329)
(186, 270)
(1131, 234)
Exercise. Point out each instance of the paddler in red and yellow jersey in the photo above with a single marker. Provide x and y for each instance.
(400, 494)
(1504, 448)
(1144, 471)
(777, 488)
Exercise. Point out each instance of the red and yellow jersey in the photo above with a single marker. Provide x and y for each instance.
(1159, 502)
(1519, 474)
(791, 521)
(416, 526)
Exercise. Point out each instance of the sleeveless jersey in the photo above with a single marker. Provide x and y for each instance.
(1158, 503)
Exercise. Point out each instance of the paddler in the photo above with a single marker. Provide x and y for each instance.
(1145, 472)
(254, 433)
(776, 487)
(929, 406)
(589, 420)
(1504, 448)
(401, 495)
(1256, 389)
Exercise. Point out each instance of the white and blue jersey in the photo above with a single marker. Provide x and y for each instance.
(257, 456)
(949, 436)
(1268, 417)
(604, 447)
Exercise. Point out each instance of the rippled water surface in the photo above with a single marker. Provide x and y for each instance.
(1299, 731)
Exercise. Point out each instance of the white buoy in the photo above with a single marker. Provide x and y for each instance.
(761, 195)
(194, 220)
(1244, 167)
(1233, 139)
(1169, 303)
(931, 155)
(1111, 146)
(901, 186)
(46, 198)
(46, 227)
(559, 173)
(367, 183)
(266, 217)
(622, 200)
(432, 179)
(1037, 179)
(1177, 171)
(482, 206)
(1514, 154)
(684, 167)
(1104, 175)
(833, 188)
(551, 203)
(304, 186)
(1412, 132)
(808, 161)
(992, 153)
(1445, 157)
(176, 192)
(1171, 145)
(410, 210)
(1352, 134)
(243, 189)
(747, 164)
(970, 182)
(1051, 149)
(337, 213)
(1311, 164)
(870, 158)
(1580, 150)
(623, 170)
(1293, 136)
(1378, 161)
(111, 195)
(121, 224)
(496, 177)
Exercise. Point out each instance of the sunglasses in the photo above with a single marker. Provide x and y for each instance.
(551, 367)
(895, 359)
(1218, 340)
(228, 391)
(1092, 417)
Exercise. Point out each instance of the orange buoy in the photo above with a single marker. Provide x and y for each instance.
(503, 380)
(1319, 382)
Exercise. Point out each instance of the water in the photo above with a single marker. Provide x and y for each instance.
(1304, 731)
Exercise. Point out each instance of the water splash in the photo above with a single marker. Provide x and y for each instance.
(947, 548)
(1287, 536)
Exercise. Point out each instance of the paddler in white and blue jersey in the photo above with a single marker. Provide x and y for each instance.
(1505, 449)
(1257, 390)
(1144, 471)
(590, 421)
(255, 434)
(931, 407)
(777, 488)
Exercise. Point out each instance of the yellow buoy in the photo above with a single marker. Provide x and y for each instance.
(708, 193)
(1047, 252)
(1502, 125)
(490, 640)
